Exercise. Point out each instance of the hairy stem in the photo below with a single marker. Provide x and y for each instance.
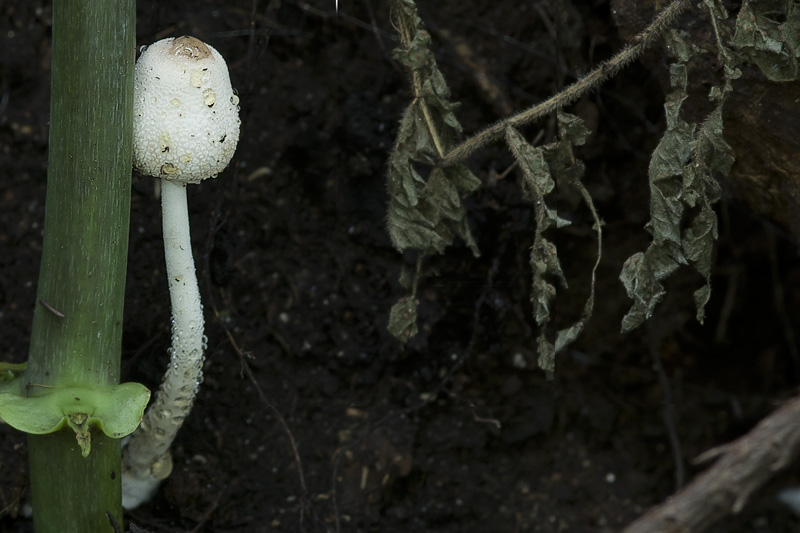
(603, 72)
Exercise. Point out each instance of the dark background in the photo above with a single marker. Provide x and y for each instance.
(459, 430)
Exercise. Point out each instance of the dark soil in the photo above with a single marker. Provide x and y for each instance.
(312, 417)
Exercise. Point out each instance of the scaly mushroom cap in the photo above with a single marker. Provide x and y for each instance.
(185, 115)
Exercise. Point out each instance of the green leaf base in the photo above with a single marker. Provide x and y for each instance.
(116, 411)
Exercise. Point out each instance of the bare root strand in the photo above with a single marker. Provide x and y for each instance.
(207, 515)
(668, 411)
(305, 503)
(571, 94)
(778, 299)
(742, 467)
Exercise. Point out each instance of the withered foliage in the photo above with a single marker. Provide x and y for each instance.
(427, 179)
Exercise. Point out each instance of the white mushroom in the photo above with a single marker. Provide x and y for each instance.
(185, 129)
(186, 117)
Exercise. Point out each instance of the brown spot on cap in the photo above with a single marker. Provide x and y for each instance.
(190, 47)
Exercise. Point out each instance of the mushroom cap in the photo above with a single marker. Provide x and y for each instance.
(185, 115)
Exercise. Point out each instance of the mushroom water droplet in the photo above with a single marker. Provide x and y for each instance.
(168, 169)
(209, 97)
(196, 78)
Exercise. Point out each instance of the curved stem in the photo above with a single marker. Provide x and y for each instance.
(146, 458)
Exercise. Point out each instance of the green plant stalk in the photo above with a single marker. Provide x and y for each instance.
(77, 324)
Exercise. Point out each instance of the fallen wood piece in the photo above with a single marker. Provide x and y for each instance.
(741, 467)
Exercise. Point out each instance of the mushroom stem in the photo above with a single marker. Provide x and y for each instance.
(187, 310)
(146, 458)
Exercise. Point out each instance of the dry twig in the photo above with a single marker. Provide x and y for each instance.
(742, 467)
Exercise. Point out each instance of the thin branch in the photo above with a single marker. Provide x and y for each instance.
(417, 272)
(603, 72)
(598, 227)
(419, 100)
